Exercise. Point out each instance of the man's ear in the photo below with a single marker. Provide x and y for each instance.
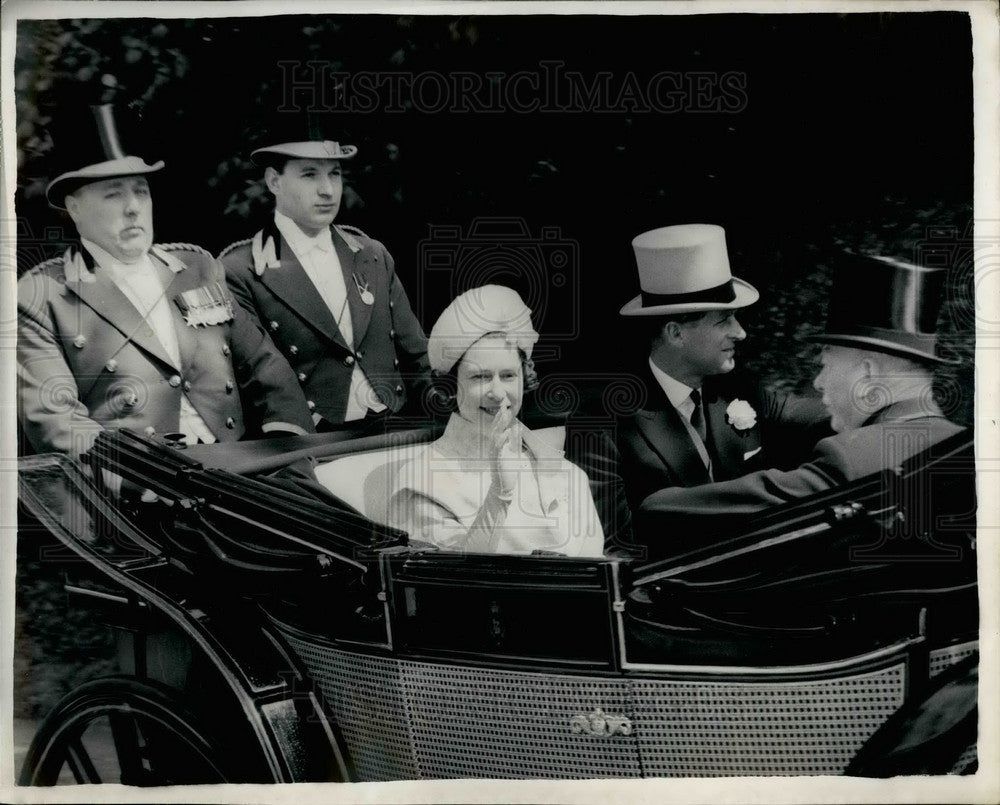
(672, 333)
(272, 179)
(72, 204)
(869, 368)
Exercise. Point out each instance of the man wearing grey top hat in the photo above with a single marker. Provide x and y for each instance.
(328, 294)
(121, 332)
(876, 377)
(697, 422)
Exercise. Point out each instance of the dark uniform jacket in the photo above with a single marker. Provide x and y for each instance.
(389, 344)
(88, 361)
(888, 438)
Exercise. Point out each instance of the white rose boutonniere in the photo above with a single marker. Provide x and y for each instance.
(740, 415)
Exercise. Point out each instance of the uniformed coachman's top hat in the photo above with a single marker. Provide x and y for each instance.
(685, 269)
(886, 305)
(92, 151)
(297, 135)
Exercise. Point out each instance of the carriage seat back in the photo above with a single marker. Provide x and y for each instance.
(367, 480)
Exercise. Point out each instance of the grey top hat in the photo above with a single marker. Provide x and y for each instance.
(887, 305)
(685, 269)
(96, 154)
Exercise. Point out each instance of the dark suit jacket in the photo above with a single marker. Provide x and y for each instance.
(888, 438)
(87, 361)
(650, 448)
(389, 343)
(656, 450)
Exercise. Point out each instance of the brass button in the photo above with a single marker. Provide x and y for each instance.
(392, 333)
(175, 380)
(274, 326)
(395, 362)
(359, 354)
(293, 350)
(399, 389)
(225, 349)
(302, 377)
(391, 304)
(187, 385)
(229, 387)
(311, 404)
(349, 360)
(131, 398)
(111, 365)
(149, 430)
(230, 423)
(79, 341)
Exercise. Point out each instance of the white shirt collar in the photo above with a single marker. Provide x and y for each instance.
(678, 393)
(105, 260)
(300, 242)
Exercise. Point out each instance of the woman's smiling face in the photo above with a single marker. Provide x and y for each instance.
(489, 376)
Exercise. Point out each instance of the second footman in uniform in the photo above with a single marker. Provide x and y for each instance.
(328, 295)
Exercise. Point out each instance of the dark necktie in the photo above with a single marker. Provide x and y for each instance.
(698, 416)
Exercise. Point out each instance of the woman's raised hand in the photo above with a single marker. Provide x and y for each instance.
(505, 443)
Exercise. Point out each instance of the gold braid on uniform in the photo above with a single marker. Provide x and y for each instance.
(52, 262)
(354, 230)
(233, 246)
(187, 247)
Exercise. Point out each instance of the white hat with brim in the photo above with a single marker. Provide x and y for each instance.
(685, 269)
(307, 149)
(475, 314)
(66, 183)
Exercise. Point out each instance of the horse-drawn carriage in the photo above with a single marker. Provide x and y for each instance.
(268, 635)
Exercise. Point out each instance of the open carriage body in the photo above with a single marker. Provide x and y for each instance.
(267, 636)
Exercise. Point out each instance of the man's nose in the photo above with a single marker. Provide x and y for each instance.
(818, 381)
(131, 204)
(738, 333)
(325, 187)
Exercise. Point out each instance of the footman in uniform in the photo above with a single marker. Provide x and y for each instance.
(121, 332)
(328, 294)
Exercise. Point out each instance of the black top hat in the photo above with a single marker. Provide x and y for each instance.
(886, 305)
(298, 134)
(90, 150)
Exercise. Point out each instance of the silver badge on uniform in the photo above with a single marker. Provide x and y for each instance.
(209, 304)
(366, 295)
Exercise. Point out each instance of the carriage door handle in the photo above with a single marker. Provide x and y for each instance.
(600, 724)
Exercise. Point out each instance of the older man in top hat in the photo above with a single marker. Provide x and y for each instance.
(119, 332)
(329, 295)
(876, 378)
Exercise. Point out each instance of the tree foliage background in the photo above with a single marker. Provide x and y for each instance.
(856, 131)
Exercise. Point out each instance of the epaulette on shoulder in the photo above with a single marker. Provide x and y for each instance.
(46, 265)
(183, 247)
(354, 230)
(233, 246)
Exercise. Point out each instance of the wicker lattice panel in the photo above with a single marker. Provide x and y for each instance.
(365, 697)
(943, 658)
(410, 720)
(965, 760)
(702, 729)
(469, 722)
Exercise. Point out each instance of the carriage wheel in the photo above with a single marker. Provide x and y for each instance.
(121, 730)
